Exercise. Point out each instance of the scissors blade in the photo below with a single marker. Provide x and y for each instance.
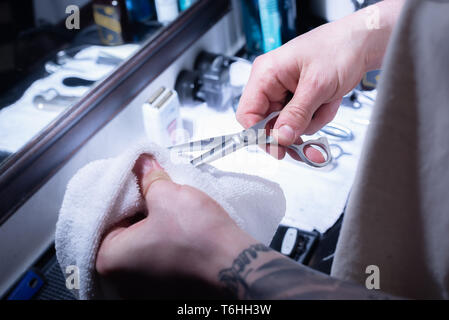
(256, 134)
(228, 146)
(200, 145)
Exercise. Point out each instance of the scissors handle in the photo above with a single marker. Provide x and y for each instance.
(320, 143)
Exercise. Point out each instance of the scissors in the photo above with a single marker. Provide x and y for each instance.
(256, 135)
(353, 97)
(337, 132)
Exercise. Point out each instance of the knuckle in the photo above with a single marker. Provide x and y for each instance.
(322, 84)
(300, 114)
(258, 62)
(193, 197)
(317, 82)
(264, 63)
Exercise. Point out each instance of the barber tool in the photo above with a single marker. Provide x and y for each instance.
(52, 67)
(365, 95)
(52, 100)
(295, 243)
(337, 132)
(351, 99)
(161, 116)
(337, 151)
(62, 57)
(28, 286)
(256, 135)
(77, 82)
(209, 82)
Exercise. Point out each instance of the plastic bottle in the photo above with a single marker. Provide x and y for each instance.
(167, 10)
(111, 17)
(140, 10)
(270, 20)
(262, 25)
(185, 4)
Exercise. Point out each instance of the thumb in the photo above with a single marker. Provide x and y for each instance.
(148, 173)
(296, 116)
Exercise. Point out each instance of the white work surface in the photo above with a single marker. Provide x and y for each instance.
(315, 197)
(21, 121)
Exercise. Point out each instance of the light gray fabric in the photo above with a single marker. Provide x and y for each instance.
(398, 213)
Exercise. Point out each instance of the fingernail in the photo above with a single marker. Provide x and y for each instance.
(143, 166)
(155, 164)
(150, 164)
(147, 164)
(286, 134)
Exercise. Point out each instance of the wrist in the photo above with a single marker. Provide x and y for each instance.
(218, 250)
(371, 27)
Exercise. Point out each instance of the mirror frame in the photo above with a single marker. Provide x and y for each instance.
(24, 172)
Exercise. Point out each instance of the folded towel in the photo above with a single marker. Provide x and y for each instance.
(105, 192)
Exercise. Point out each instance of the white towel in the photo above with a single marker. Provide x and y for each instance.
(105, 192)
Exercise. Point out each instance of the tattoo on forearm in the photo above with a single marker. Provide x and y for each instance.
(234, 277)
(283, 278)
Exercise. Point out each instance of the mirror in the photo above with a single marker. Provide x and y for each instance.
(58, 51)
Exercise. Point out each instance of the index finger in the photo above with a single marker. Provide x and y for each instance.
(263, 93)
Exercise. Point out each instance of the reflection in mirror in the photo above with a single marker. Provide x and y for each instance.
(57, 51)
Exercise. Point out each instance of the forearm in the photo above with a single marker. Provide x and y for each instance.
(261, 273)
(372, 28)
(245, 269)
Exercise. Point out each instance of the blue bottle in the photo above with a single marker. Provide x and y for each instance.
(185, 4)
(262, 25)
(140, 10)
(270, 20)
(251, 26)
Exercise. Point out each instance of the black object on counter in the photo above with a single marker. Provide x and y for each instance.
(77, 82)
(295, 243)
(209, 82)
